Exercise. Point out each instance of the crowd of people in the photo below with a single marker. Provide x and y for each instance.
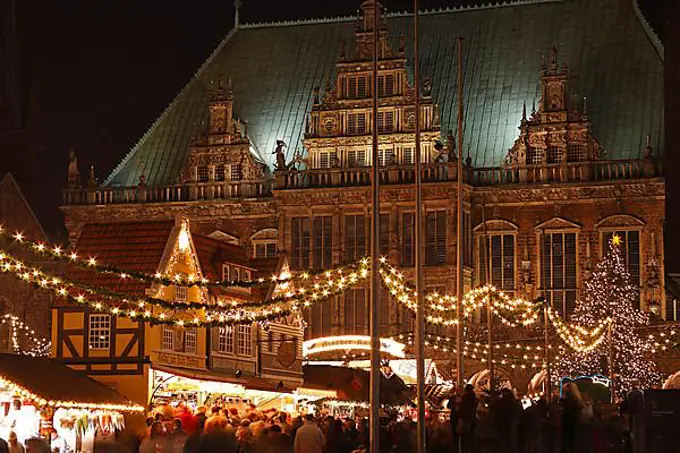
(474, 423)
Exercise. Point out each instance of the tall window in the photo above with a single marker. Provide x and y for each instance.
(356, 312)
(190, 340)
(180, 293)
(407, 238)
(326, 159)
(168, 338)
(357, 87)
(202, 173)
(630, 248)
(384, 226)
(265, 249)
(219, 173)
(435, 238)
(225, 339)
(385, 156)
(300, 242)
(386, 121)
(244, 340)
(408, 157)
(355, 238)
(497, 261)
(554, 154)
(235, 172)
(356, 123)
(386, 308)
(386, 85)
(356, 158)
(323, 241)
(535, 156)
(576, 152)
(99, 331)
(559, 271)
(321, 319)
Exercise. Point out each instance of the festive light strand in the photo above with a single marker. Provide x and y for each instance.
(41, 346)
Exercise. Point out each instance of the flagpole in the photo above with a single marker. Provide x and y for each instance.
(375, 244)
(420, 310)
(459, 230)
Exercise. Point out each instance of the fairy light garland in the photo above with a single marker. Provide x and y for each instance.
(440, 310)
(41, 346)
(41, 401)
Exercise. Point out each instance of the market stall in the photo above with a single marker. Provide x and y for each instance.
(40, 397)
(239, 393)
(351, 386)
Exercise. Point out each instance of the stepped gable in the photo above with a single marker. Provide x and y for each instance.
(275, 67)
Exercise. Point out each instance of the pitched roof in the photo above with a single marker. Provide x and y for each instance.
(134, 246)
(48, 379)
(274, 69)
(16, 213)
(213, 253)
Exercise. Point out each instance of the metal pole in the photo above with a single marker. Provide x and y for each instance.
(611, 359)
(375, 247)
(489, 313)
(420, 311)
(548, 384)
(459, 230)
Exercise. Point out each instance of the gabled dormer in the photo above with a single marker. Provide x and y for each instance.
(339, 127)
(220, 152)
(557, 132)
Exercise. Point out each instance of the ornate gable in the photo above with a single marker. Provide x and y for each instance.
(221, 152)
(619, 220)
(338, 129)
(557, 132)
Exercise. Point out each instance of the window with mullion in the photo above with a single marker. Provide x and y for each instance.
(497, 260)
(559, 271)
(300, 242)
(323, 242)
(356, 311)
(435, 238)
(355, 238)
(321, 316)
(407, 238)
(630, 249)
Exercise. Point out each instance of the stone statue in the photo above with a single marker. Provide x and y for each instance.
(335, 161)
(451, 142)
(427, 88)
(280, 156)
(73, 173)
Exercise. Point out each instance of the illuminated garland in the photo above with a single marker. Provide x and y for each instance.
(7, 261)
(59, 254)
(41, 346)
(40, 401)
(472, 351)
(216, 316)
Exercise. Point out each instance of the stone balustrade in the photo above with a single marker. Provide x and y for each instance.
(577, 172)
(216, 190)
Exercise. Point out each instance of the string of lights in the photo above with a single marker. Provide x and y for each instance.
(41, 346)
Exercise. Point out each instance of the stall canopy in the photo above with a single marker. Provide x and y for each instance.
(48, 382)
(353, 384)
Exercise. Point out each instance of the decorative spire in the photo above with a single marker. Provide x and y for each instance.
(92, 182)
(524, 112)
(237, 13)
(584, 114)
(73, 172)
(230, 91)
(553, 60)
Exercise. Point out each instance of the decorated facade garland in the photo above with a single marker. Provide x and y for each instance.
(441, 309)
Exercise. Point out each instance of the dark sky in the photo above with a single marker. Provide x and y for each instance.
(104, 71)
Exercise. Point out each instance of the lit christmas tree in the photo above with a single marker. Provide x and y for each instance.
(609, 293)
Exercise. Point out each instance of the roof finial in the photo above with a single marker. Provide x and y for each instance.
(553, 62)
(585, 108)
(73, 172)
(237, 13)
(230, 91)
(533, 107)
(524, 112)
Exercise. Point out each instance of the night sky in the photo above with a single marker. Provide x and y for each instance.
(103, 71)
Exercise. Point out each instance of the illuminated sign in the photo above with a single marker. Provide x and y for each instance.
(350, 343)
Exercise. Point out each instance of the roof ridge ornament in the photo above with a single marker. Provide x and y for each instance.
(237, 13)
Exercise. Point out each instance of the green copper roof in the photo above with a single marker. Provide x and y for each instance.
(613, 60)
